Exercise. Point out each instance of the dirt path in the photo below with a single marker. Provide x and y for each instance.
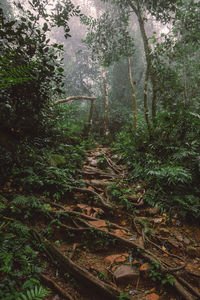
(110, 245)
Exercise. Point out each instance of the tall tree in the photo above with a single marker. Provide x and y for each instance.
(109, 40)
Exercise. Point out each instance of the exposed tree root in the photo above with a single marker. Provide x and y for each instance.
(103, 288)
(193, 274)
(113, 166)
(164, 251)
(82, 275)
(101, 174)
(86, 217)
(189, 286)
(182, 291)
(143, 252)
(85, 190)
(54, 285)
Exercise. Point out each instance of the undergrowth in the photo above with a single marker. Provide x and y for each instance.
(168, 162)
(20, 263)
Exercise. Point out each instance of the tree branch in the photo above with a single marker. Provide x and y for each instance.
(72, 98)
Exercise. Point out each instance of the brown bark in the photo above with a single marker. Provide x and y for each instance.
(133, 95)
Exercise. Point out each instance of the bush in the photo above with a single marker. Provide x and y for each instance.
(168, 163)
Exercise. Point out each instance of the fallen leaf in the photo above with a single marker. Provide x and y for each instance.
(123, 223)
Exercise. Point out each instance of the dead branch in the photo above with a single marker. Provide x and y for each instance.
(72, 98)
(52, 283)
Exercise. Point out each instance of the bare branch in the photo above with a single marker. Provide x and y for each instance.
(72, 98)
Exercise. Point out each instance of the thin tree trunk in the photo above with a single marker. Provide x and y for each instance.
(185, 81)
(106, 101)
(133, 95)
(146, 109)
(139, 13)
(90, 117)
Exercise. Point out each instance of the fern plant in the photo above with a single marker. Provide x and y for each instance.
(171, 174)
(19, 262)
(10, 75)
(36, 293)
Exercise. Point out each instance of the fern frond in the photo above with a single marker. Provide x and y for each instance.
(36, 293)
(172, 174)
(10, 75)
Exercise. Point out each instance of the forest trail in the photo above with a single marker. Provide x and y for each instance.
(114, 245)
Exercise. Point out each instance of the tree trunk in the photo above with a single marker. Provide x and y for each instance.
(146, 109)
(185, 81)
(90, 117)
(138, 11)
(133, 96)
(106, 101)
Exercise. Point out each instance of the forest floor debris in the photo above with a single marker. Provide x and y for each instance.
(102, 241)
(114, 247)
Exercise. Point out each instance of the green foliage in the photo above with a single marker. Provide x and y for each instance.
(157, 276)
(19, 262)
(168, 163)
(189, 205)
(10, 76)
(107, 47)
(31, 68)
(57, 160)
(173, 175)
(36, 293)
(123, 296)
(118, 192)
(28, 207)
(34, 173)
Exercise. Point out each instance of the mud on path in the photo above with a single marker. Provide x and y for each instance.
(105, 243)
